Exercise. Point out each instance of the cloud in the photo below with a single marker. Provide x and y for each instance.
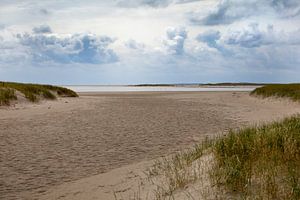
(226, 13)
(132, 44)
(42, 29)
(151, 3)
(43, 46)
(229, 11)
(75, 48)
(250, 37)
(44, 11)
(252, 48)
(174, 43)
(210, 37)
(253, 36)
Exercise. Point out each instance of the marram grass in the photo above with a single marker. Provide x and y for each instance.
(258, 162)
(33, 92)
(291, 91)
(6, 95)
(261, 162)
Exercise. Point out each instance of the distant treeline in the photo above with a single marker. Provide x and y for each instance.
(157, 85)
(202, 84)
(234, 84)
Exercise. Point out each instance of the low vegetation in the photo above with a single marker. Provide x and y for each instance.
(6, 95)
(177, 171)
(291, 91)
(156, 85)
(233, 84)
(32, 92)
(260, 162)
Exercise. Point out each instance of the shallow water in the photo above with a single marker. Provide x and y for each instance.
(100, 88)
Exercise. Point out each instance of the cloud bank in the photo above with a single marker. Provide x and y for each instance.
(175, 40)
(229, 11)
(151, 3)
(42, 46)
(134, 41)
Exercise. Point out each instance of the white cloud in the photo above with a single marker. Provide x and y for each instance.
(41, 46)
(132, 44)
(175, 40)
(240, 44)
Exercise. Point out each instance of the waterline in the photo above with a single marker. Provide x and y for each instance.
(100, 88)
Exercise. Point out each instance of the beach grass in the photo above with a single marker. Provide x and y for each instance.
(34, 92)
(7, 95)
(177, 171)
(291, 91)
(258, 162)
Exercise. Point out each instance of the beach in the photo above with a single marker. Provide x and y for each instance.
(51, 149)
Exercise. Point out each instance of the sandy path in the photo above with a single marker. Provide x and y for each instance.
(56, 142)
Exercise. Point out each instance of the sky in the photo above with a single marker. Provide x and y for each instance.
(149, 41)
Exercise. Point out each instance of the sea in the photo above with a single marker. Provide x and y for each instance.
(104, 88)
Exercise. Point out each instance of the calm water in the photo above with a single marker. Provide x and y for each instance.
(99, 88)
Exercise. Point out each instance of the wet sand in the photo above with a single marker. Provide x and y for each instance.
(52, 143)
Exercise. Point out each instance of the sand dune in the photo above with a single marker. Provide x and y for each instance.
(46, 148)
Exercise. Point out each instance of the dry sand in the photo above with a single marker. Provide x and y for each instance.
(71, 148)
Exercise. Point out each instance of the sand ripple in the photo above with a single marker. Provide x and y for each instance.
(47, 146)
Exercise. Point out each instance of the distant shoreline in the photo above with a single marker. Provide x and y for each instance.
(202, 84)
(173, 85)
(176, 88)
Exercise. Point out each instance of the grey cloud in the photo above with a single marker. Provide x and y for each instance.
(288, 8)
(175, 40)
(254, 36)
(210, 38)
(137, 3)
(250, 37)
(76, 48)
(225, 13)
(151, 3)
(42, 29)
(255, 45)
(44, 11)
(132, 44)
(284, 4)
(229, 11)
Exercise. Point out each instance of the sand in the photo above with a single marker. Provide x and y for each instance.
(98, 145)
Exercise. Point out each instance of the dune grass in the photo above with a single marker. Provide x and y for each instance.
(291, 91)
(177, 171)
(259, 162)
(33, 92)
(7, 95)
